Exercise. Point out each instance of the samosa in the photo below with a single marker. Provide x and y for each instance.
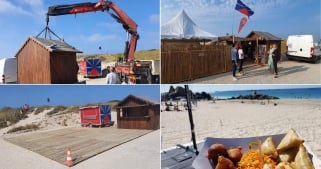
(224, 163)
(268, 148)
(290, 140)
(288, 155)
(302, 159)
(284, 165)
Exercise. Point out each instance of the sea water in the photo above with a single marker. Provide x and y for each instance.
(298, 93)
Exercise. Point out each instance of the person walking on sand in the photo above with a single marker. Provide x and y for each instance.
(275, 57)
(234, 60)
(270, 60)
(241, 60)
(111, 77)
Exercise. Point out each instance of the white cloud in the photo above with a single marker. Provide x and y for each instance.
(97, 37)
(154, 18)
(9, 7)
(33, 3)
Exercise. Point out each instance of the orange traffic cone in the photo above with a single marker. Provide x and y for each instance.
(69, 161)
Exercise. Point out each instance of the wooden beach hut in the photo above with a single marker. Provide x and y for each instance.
(135, 112)
(46, 61)
(258, 40)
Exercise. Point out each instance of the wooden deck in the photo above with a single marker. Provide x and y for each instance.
(84, 142)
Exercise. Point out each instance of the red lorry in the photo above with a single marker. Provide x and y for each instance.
(90, 67)
(95, 115)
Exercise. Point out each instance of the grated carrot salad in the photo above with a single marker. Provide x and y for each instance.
(253, 160)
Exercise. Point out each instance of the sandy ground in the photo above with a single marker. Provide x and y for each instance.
(230, 119)
(290, 72)
(132, 154)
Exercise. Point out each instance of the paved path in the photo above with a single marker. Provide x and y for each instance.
(290, 72)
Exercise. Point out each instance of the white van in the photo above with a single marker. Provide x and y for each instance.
(8, 70)
(301, 47)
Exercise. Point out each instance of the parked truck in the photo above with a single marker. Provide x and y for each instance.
(90, 67)
(301, 47)
(95, 115)
(126, 67)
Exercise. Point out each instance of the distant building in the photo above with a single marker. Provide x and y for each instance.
(45, 61)
(138, 113)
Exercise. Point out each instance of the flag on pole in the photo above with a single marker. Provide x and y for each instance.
(242, 8)
(242, 23)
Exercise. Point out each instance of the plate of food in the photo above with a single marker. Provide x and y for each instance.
(281, 151)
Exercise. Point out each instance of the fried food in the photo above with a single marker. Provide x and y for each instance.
(302, 159)
(268, 148)
(235, 154)
(224, 163)
(215, 151)
(290, 140)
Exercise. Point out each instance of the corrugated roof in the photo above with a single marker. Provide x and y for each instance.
(56, 45)
(264, 35)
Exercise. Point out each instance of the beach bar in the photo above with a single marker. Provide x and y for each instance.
(135, 112)
(258, 40)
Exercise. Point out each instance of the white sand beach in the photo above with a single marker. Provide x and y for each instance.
(231, 118)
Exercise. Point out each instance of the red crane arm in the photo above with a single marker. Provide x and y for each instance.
(104, 5)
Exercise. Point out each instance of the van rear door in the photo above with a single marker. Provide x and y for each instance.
(300, 45)
(10, 70)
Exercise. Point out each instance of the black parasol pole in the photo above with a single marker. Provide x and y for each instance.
(189, 108)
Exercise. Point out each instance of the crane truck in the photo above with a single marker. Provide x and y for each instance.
(144, 72)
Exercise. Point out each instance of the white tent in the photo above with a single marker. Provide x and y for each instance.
(183, 27)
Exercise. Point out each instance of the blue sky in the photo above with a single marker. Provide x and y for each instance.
(23, 18)
(279, 17)
(228, 87)
(36, 95)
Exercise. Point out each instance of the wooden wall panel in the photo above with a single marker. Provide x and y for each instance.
(63, 68)
(183, 61)
(33, 64)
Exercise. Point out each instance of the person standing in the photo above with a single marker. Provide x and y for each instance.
(270, 60)
(111, 77)
(234, 60)
(275, 57)
(262, 51)
(241, 60)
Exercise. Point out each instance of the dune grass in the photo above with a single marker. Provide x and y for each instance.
(152, 54)
(22, 128)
